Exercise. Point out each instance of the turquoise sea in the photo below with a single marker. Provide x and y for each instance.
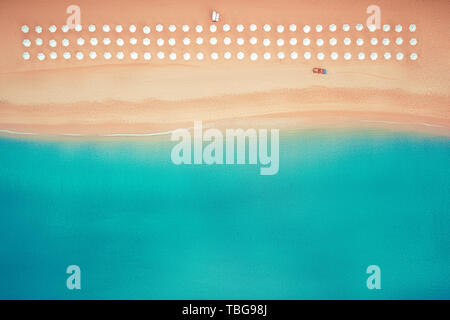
(140, 227)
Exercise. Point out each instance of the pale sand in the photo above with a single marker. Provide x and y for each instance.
(96, 98)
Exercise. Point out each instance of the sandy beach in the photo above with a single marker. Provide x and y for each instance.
(100, 97)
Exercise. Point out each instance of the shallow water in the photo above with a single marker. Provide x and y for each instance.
(141, 227)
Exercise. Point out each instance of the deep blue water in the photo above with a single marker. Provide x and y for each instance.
(141, 227)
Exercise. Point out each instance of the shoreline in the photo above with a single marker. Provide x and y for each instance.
(358, 125)
(314, 107)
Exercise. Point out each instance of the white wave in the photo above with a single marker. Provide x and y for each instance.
(398, 122)
(136, 134)
(17, 132)
(87, 135)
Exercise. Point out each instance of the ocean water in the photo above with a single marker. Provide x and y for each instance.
(140, 227)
